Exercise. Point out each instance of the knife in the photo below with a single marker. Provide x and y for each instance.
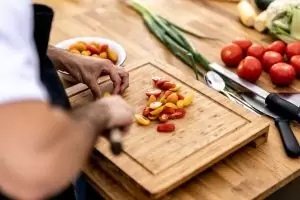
(274, 101)
(288, 138)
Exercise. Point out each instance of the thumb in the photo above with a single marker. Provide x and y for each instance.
(95, 89)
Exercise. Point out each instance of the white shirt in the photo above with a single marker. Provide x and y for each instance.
(19, 67)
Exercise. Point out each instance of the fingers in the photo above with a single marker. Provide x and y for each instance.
(125, 80)
(94, 87)
(115, 78)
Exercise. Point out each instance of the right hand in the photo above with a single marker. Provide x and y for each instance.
(120, 114)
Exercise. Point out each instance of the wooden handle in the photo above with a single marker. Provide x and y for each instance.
(115, 139)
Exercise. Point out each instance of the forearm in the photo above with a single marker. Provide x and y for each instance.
(50, 154)
(58, 57)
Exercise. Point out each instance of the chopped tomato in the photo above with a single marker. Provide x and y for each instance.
(160, 82)
(146, 111)
(155, 79)
(168, 111)
(167, 85)
(155, 92)
(179, 113)
(180, 96)
(167, 93)
(163, 118)
(167, 127)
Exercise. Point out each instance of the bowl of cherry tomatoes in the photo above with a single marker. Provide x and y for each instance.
(95, 47)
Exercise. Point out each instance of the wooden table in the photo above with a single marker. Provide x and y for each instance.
(248, 174)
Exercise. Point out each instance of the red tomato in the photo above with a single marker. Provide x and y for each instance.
(160, 82)
(167, 127)
(250, 69)
(163, 118)
(155, 92)
(167, 93)
(282, 74)
(277, 46)
(292, 49)
(93, 49)
(180, 97)
(243, 43)
(270, 58)
(155, 79)
(146, 111)
(295, 62)
(256, 50)
(167, 85)
(168, 111)
(179, 113)
(232, 54)
(103, 48)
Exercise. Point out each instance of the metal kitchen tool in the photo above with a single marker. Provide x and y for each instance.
(288, 138)
(275, 103)
(215, 81)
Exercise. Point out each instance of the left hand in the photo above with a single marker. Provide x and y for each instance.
(88, 69)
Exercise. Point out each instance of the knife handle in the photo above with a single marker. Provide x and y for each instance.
(115, 138)
(288, 138)
(282, 107)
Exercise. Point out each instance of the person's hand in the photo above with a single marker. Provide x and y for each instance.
(87, 70)
(120, 114)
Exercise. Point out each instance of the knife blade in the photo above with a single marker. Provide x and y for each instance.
(274, 101)
(288, 138)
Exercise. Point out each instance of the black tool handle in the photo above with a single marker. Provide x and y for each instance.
(115, 138)
(289, 140)
(282, 107)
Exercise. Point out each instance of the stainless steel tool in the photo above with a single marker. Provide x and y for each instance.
(288, 138)
(274, 102)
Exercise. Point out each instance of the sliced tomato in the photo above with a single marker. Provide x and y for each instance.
(180, 96)
(167, 85)
(146, 111)
(163, 118)
(155, 92)
(166, 128)
(167, 93)
(155, 79)
(178, 114)
(168, 111)
(160, 82)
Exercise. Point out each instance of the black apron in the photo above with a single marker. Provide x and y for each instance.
(43, 17)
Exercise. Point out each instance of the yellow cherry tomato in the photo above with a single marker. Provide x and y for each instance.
(140, 119)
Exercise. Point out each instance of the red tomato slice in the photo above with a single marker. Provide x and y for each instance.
(167, 93)
(180, 96)
(167, 127)
(163, 118)
(168, 111)
(178, 114)
(167, 85)
(155, 92)
(160, 82)
(155, 79)
(93, 49)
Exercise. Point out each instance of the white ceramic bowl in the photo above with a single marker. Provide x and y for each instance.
(112, 44)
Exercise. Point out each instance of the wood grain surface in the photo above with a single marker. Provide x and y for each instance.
(248, 174)
(156, 163)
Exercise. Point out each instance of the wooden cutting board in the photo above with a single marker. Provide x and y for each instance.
(152, 164)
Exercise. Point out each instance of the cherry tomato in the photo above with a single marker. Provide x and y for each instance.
(160, 82)
(168, 110)
(146, 111)
(256, 50)
(295, 62)
(155, 92)
(178, 114)
(180, 97)
(103, 48)
(270, 58)
(282, 74)
(231, 55)
(243, 43)
(93, 49)
(167, 93)
(163, 118)
(167, 85)
(250, 69)
(277, 46)
(292, 49)
(167, 127)
(155, 79)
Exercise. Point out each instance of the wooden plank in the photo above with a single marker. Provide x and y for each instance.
(213, 129)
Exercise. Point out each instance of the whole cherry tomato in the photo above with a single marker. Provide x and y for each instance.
(282, 74)
(295, 62)
(270, 58)
(93, 49)
(292, 49)
(243, 43)
(250, 69)
(256, 50)
(277, 46)
(231, 55)
(167, 127)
